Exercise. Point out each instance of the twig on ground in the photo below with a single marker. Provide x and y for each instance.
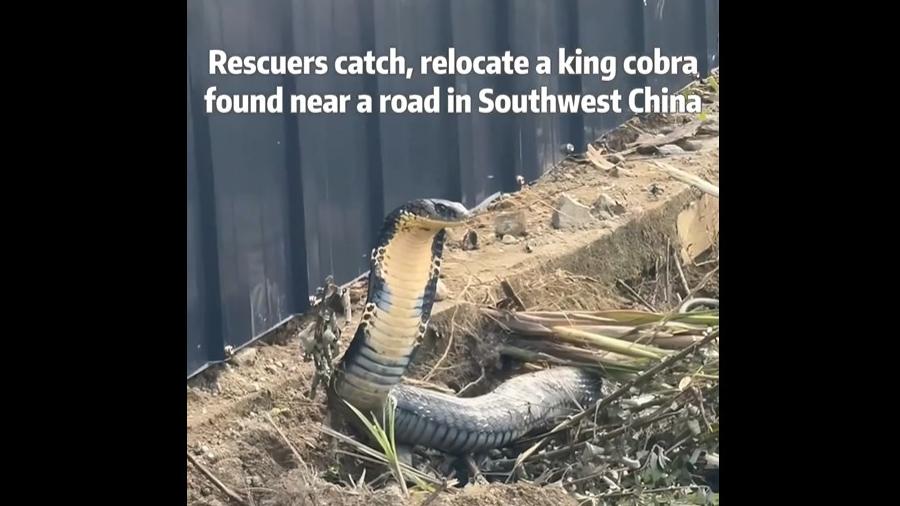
(447, 349)
(687, 287)
(606, 401)
(452, 331)
(699, 396)
(652, 490)
(682, 132)
(668, 284)
(473, 468)
(636, 296)
(473, 383)
(656, 279)
(656, 416)
(511, 294)
(688, 178)
(287, 441)
(674, 311)
(216, 481)
(434, 495)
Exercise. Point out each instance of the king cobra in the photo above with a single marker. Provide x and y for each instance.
(405, 265)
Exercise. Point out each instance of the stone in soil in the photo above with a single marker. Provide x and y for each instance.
(510, 224)
(570, 213)
(670, 149)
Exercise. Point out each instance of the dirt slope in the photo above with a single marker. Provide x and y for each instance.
(229, 407)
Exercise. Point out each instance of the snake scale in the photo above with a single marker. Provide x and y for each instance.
(404, 269)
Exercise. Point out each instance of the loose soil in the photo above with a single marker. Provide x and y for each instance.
(229, 406)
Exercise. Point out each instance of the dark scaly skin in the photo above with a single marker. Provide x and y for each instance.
(405, 267)
(493, 420)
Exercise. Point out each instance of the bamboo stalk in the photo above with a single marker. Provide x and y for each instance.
(527, 355)
(609, 343)
(574, 353)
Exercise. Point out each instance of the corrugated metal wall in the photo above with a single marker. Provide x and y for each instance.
(276, 203)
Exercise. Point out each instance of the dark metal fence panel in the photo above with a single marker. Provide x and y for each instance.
(276, 203)
(485, 142)
(542, 27)
(676, 28)
(418, 152)
(340, 166)
(248, 161)
(614, 28)
(198, 352)
(712, 34)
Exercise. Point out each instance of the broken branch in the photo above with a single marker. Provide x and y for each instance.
(688, 178)
(216, 481)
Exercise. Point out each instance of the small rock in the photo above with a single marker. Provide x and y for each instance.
(669, 149)
(690, 145)
(231, 471)
(392, 489)
(709, 129)
(508, 239)
(528, 247)
(608, 205)
(510, 223)
(256, 481)
(280, 364)
(246, 357)
(470, 241)
(205, 491)
(211, 457)
(570, 213)
(502, 202)
(271, 368)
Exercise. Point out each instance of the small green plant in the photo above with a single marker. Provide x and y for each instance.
(383, 433)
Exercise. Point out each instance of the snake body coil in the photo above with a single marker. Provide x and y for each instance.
(405, 266)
